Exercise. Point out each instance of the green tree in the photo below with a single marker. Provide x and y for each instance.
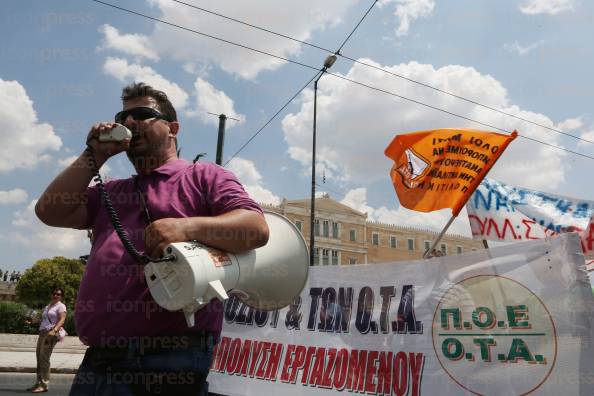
(38, 282)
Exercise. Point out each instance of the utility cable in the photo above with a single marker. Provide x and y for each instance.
(355, 28)
(318, 74)
(338, 76)
(338, 53)
(205, 34)
(273, 117)
(455, 114)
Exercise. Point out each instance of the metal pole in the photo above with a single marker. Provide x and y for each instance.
(441, 234)
(312, 208)
(328, 62)
(221, 139)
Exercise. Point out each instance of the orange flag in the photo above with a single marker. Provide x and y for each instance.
(441, 168)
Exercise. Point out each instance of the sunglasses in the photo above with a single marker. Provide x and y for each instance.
(57, 294)
(140, 114)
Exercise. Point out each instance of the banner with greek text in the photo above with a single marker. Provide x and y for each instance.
(499, 212)
(513, 320)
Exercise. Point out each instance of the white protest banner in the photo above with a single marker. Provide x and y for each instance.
(499, 212)
(587, 237)
(513, 320)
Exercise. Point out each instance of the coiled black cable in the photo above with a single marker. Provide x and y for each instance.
(115, 220)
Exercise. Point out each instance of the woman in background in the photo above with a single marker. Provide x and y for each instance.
(52, 320)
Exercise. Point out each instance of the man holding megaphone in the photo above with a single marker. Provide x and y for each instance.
(135, 346)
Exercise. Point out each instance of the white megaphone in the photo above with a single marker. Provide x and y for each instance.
(266, 278)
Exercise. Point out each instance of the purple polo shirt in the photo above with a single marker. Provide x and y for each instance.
(114, 302)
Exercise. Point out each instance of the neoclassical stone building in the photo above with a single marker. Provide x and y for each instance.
(345, 236)
(7, 291)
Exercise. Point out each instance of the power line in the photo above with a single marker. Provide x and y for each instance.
(322, 71)
(556, 130)
(341, 77)
(355, 28)
(455, 114)
(272, 118)
(470, 100)
(205, 34)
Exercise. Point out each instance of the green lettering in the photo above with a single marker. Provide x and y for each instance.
(517, 315)
(483, 318)
(485, 344)
(455, 353)
(519, 350)
(446, 313)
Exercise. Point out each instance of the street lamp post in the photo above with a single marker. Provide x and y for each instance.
(220, 139)
(327, 64)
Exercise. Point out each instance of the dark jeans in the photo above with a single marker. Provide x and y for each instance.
(137, 372)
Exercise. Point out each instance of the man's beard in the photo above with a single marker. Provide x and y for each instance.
(147, 155)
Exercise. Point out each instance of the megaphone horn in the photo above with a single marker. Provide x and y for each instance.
(266, 278)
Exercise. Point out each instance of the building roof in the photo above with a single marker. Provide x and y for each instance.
(325, 203)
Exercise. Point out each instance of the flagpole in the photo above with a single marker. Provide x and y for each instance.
(439, 237)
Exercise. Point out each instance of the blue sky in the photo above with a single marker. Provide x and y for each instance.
(63, 65)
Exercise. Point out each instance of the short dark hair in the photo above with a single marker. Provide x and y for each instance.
(140, 89)
(58, 289)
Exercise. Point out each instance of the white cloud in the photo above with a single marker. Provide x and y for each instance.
(588, 135)
(297, 19)
(198, 69)
(125, 72)
(251, 179)
(407, 11)
(357, 199)
(14, 196)
(570, 124)
(136, 45)
(551, 7)
(517, 48)
(576, 127)
(43, 241)
(24, 142)
(352, 138)
(211, 100)
(434, 221)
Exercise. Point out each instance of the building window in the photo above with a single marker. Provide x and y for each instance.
(299, 225)
(335, 257)
(427, 245)
(411, 244)
(474, 249)
(325, 228)
(375, 239)
(393, 241)
(316, 257)
(459, 249)
(325, 256)
(352, 260)
(353, 235)
(317, 227)
(335, 230)
(444, 249)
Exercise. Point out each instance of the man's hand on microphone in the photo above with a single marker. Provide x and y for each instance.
(104, 150)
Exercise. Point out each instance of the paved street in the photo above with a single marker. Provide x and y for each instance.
(16, 383)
